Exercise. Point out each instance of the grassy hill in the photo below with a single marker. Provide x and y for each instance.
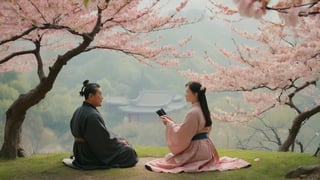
(272, 165)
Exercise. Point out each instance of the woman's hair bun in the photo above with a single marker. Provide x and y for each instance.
(203, 89)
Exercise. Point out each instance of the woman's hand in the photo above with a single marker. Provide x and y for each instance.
(166, 120)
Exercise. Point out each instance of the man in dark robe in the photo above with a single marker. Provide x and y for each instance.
(95, 146)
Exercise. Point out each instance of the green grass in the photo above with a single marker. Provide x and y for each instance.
(272, 165)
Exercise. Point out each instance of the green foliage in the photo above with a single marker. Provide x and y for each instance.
(16, 81)
(8, 92)
(14, 85)
(272, 165)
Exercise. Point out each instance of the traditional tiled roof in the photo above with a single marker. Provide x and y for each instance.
(149, 101)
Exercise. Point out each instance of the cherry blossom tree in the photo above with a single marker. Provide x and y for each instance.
(281, 69)
(289, 10)
(45, 35)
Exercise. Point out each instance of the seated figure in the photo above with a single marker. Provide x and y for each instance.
(95, 146)
(191, 149)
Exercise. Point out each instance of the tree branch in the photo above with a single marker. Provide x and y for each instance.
(118, 11)
(7, 58)
(300, 145)
(53, 26)
(301, 14)
(18, 36)
(291, 95)
(153, 29)
(275, 133)
(38, 10)
(40, 71)
(87, 39)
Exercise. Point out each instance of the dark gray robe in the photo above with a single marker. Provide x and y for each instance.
(101, 149)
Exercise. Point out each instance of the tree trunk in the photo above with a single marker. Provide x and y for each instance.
(11, 136)
(12, 146)
(295, 128)
(13, 132)
(20, 149)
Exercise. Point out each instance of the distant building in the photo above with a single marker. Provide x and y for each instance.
(147, 103)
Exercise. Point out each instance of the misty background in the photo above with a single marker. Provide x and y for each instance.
(46, 126)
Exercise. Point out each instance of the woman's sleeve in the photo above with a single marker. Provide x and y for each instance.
(178, 136)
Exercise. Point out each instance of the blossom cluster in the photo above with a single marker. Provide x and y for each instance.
(60, 26)
(282, 59)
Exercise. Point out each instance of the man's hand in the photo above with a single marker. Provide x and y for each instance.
(125, 142)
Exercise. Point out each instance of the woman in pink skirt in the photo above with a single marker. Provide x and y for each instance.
(191, 149)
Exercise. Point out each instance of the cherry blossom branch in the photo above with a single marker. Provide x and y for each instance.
(139, 56)
(37, 43)
(118, 11)
(289, 14)
(59, 27)
(127, 52)
(149, 10)
(97, 26)
(157, 27)
(291, 95)
(15, 54)
(44, 27)
(40, 71)
(311, 4)
(240, 54)
(94, 31)
(13, 38)
(87, 39)
(301, 13)
(317, 54)
(38, 10)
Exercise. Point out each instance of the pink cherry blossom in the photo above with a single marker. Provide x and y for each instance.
(252, 8)
(125, 26)
(283, 60)
(289, 11)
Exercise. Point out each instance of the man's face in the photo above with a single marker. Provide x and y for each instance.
(96, 99)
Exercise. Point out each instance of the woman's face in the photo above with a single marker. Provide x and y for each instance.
(96, 99)
(190, 96)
